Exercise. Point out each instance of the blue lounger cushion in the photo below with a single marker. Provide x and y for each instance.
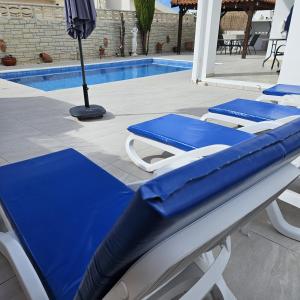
(62, 206)
(282, 90)
(254, 110)
(187, 133)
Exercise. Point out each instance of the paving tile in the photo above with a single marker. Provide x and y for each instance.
(6, 271)
(2, 161)
(11, 290)
(120, 174)
(262, 226)
(261, 269)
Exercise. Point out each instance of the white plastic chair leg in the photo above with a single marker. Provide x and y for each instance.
(280, 224)
(213, 269)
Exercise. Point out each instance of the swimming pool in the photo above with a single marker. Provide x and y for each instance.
(69, 77)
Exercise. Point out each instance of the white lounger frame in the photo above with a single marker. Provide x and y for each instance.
(181, 157)
(171, 260)
(148, 277)
(177, 153)
(290, 100)
(288, 196)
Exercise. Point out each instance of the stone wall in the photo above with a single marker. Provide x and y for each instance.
(29, 30)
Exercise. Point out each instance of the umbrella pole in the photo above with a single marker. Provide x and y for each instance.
(86, 111)
(84, 84)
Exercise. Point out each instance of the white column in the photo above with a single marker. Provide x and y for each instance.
(290, 71)
(206, 37)
(213, 24)
(199, 72)
(282, 9)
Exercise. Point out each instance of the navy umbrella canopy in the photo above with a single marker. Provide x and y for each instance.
(81, 21)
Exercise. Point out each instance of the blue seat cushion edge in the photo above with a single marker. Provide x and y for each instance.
(282, 90)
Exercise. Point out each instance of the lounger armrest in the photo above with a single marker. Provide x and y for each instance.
(185, 158)
(21, 264)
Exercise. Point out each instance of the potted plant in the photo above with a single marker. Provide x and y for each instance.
(46, 58)
(2, 45)
(9, 60)
(159, 47)
(101, 52)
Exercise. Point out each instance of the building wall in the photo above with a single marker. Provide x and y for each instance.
(31, 1)
(30, 30)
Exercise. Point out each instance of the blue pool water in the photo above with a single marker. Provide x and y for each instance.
(70, 77)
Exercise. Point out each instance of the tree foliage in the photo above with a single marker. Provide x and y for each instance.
(145, 12)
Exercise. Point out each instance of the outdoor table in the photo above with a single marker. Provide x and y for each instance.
(274, 48)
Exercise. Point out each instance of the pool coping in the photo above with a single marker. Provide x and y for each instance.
(76, 67)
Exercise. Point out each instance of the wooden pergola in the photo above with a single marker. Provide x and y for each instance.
(248, 6)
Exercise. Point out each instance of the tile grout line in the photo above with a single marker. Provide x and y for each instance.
(4, 282)
(274, 242)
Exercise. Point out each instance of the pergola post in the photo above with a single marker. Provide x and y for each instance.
(199, 66)
(289, 73)
(212, 29)
(250, 14)
(206, 37)
(182, 12)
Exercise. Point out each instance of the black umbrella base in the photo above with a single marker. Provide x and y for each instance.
(86, 113)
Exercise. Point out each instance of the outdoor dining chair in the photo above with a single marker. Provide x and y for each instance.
(252, 43)
(73, 231)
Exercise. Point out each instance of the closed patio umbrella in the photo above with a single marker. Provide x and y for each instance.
(81, 21)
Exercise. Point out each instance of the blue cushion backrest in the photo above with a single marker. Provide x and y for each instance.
(282, 90)
(170, 202)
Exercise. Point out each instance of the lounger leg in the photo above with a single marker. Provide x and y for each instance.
(280, 224)
(25, 272)
(213, 269)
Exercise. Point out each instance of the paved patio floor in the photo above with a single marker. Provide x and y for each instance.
(264, 264)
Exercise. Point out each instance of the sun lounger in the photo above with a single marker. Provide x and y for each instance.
(244, 112)
(190, 139)
(257, 117)
(75, 231)
(182, 137)
(282, 90)
(283, 94)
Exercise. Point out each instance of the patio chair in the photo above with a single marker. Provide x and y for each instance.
(190, 139)
(221, 45)
(252, 43)
(76, 232)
